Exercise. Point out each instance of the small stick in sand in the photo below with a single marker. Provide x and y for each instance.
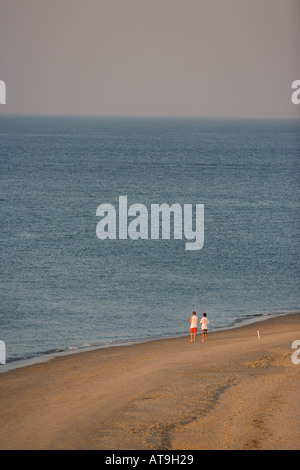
(258, 335)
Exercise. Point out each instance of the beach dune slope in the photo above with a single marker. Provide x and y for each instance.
(236, 391)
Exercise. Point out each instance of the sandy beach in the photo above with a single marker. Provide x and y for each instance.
(236, 391)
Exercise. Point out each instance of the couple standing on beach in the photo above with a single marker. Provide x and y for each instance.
(204, 322)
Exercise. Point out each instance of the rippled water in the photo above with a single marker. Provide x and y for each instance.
(62, 287)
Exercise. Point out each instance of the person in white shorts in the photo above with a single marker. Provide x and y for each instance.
(204, 322)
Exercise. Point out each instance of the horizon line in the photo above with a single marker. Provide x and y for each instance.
(145, 116)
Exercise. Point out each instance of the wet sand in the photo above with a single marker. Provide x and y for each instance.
(233, 392)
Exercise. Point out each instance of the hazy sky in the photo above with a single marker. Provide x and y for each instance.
(213, 58)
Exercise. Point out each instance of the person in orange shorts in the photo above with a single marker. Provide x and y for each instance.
(193, 321)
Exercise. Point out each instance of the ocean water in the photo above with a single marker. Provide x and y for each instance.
(62, 288)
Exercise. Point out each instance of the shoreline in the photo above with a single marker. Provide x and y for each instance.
(44, 357)
(236, 391)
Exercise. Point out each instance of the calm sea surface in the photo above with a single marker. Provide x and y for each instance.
(63, 288)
